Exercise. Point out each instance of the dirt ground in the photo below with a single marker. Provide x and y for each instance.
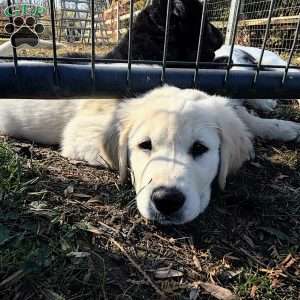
(70, 231)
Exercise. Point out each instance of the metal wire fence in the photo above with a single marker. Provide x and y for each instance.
(218, 13)
(56, 77)
(259, 8)
(252, 22)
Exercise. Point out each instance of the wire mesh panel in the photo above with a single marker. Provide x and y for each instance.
(218, 13)
(283, 25)
(252, 22)
(91, 73)
(258, 9)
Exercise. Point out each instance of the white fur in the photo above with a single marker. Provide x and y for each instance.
(239, 57)
(269, 57)
(35, 119)
(107, 132)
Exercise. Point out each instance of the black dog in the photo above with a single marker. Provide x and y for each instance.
(149, 30)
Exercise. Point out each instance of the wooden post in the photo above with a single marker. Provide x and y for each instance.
(118, 22)
(232, 19)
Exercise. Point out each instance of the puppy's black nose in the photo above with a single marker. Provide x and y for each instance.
(167, 200)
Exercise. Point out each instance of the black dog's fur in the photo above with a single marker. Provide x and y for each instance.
(149, 30)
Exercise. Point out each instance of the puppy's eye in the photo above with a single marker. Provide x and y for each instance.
(146, 145)
(197, 149)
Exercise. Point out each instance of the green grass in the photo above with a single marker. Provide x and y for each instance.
(39, 255)
(261, 284)
(12, 183)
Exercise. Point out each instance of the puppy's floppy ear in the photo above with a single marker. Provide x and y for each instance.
(213, 37)
(123, 152)
(127, 112)
(236, 145)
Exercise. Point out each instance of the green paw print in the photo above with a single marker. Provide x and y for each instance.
(24, 31)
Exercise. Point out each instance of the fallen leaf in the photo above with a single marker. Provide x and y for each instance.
(69, 190)
(287, 262)
(288, 257)
(164, 273)
(79, 254)
(42, 192)
(217, 291)
(281, 176)
(38, 205)
(197, 263)
(232, 274)
(253, 291)
(79, 195)
(276, 283)
(96, 199)
(76, 162)
(172, 240)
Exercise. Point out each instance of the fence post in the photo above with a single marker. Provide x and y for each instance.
(118, 22)
(232, 19)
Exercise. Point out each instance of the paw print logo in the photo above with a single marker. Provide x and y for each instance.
(24, 31)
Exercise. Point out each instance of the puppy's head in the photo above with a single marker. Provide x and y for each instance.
(176, 142)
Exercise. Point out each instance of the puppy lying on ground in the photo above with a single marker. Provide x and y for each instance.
(197, 138)
(175, 142)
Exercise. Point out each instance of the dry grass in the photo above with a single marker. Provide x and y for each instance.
(80, 48)
(69, 231)
(76, 48)
(65, 47)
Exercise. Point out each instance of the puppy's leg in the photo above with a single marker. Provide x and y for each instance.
(83, 140)
(271, 129)
(266, 105)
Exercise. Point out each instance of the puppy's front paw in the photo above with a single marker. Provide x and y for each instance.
(289, 131)
(266, 105)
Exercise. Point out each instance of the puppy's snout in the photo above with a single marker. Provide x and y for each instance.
(167, 200)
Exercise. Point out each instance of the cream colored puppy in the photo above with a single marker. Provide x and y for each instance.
(175, 142)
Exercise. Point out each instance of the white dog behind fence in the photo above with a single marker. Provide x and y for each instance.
(251, 55)
(175, 142)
